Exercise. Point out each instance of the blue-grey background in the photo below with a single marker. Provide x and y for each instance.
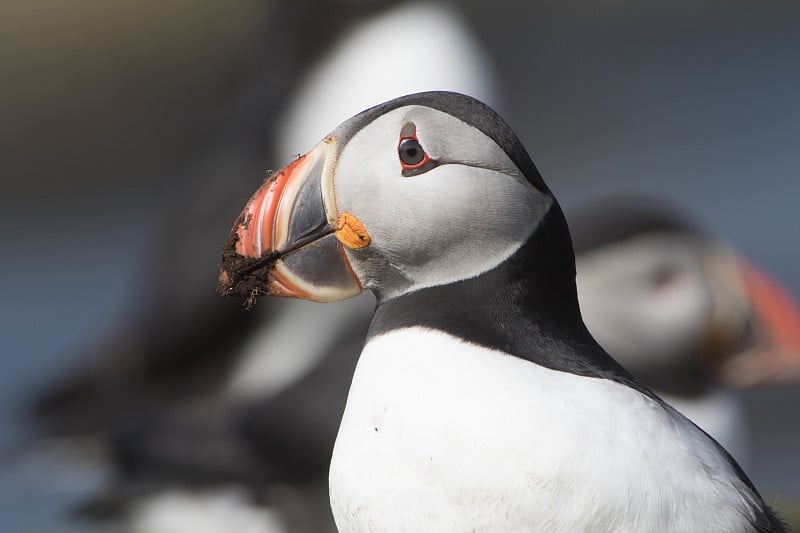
(103, 107)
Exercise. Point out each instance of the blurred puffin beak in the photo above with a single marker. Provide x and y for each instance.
(771, 320)
(285, 242)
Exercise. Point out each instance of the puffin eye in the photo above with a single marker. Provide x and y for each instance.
(413, 158)
(411, 153)
(664, 275)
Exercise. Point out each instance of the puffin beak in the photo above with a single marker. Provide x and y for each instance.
(284, 243)
(772, 350)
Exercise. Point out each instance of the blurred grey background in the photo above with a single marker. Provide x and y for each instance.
(106, 108)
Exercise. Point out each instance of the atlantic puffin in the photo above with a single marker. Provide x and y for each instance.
(683, 311)
(480, 401)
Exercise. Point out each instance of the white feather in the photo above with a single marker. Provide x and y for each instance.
(442, 435)
(722, 415)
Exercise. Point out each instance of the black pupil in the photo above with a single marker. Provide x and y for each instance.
(411, 152)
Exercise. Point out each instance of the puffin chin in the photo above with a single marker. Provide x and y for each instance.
(288, 239)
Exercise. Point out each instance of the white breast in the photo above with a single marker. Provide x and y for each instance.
(444, 436)
(721, 414)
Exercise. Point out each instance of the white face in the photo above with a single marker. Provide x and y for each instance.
(454, 221)
(647, 300)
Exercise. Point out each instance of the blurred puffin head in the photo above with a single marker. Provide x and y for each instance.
(678, 308)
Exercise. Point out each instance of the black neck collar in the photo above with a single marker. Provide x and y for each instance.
(527, 307)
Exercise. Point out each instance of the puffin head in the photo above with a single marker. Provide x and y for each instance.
(424, 190)
(678, 308)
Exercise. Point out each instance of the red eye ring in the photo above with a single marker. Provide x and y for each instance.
(413, 158)
(412, 155)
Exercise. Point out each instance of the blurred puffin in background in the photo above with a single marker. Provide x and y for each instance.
(682, 311)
